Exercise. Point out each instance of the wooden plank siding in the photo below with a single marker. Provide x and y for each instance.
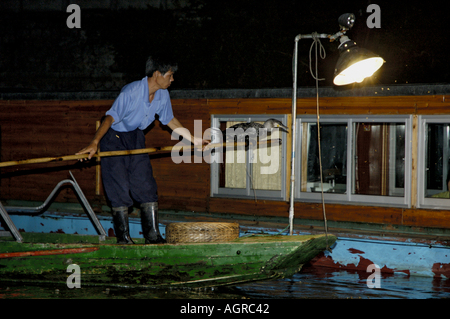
(36, 128)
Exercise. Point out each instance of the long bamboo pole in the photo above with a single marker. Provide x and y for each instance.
(126, 152)
(83, 156)
(98, 173)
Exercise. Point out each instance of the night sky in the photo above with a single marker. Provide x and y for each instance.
(218, 44)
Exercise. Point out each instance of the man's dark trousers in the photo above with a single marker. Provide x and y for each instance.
(127, 177)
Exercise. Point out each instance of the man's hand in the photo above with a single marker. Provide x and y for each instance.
(91, 149)
(197, 141)
(179, 129)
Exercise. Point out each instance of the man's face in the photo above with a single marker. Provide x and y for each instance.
(164, 80)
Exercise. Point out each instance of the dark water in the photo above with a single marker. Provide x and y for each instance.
(310, 283)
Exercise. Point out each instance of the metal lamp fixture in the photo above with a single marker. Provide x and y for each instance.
(354, 65)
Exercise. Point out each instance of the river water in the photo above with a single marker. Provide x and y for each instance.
(310, 283)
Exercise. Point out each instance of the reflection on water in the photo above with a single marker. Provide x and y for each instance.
(321, 283)
(310, 283)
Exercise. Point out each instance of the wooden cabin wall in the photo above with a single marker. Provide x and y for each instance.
(396, 105)
(31, 129)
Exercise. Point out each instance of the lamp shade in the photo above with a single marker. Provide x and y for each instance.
(354, 63)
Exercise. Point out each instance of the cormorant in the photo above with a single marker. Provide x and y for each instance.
(252, 129)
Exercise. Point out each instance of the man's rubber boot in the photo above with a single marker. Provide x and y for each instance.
(150, 224)
(121, 227)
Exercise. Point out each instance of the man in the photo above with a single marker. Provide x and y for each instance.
(131, 177)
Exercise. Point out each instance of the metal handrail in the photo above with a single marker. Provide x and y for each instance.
(13, 210)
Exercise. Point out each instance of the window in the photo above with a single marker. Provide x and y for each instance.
(364, 159)
(379, 159)
(434, 162)
(258, 172)
(334, 157)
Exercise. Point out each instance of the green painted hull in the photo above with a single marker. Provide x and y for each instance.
(184, 265)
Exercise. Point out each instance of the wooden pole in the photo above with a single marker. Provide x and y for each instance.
(97, 167)
(82, 156)
(126, 152)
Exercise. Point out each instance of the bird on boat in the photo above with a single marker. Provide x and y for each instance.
(253, 130)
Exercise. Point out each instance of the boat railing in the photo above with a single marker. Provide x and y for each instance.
(12, 210)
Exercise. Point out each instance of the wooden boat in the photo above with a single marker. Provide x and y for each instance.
(45, 258)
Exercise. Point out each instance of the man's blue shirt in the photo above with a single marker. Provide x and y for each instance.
(132, 109)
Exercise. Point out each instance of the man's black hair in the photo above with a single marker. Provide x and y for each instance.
(160, 65)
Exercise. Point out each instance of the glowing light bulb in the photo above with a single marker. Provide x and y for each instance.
(358, 71)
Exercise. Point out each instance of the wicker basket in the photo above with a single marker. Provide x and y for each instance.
(201, 232)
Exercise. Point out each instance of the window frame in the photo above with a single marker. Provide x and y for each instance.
(348, 196)
(422, 201)
(248, 192)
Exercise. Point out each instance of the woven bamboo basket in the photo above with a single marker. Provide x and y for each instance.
(201, 232)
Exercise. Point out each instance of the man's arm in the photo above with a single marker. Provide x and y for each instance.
(92, 148)
(178, 128)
